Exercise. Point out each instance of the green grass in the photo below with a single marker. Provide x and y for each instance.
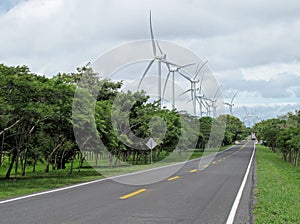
(277, 190)
(41, 181)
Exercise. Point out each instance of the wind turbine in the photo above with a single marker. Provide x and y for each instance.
(214, 101)
(159, 58)
(201, 98)
(231, 104)
(193, 81)
(256, 117)
(250, 116)
(172, 71)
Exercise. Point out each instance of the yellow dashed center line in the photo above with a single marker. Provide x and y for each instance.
(219, 160)
(244, 146)
(206, 165)
(174, 178)
(133, 194)
(193, 171)
(214, 162)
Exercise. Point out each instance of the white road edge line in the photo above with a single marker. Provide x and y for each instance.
(103, 179)
(237, 200)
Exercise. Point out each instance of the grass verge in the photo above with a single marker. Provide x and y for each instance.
(41, 181)
(277, 190)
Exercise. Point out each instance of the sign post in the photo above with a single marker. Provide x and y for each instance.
(151, 145)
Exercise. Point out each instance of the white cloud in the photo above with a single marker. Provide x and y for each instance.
(249, 44)
(267, 71)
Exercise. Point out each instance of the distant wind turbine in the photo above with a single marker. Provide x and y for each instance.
(193, 81)
(214, 102)
(173, 70)
(231, 104)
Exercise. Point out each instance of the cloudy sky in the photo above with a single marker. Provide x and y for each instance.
(252, 46)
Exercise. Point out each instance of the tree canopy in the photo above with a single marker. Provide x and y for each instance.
(53, 120)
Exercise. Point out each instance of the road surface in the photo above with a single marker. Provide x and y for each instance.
(193, 195)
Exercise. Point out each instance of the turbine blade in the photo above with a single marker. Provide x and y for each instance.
(152, 35)
(185, 76)
(166, 82)
(234, 97)
(169, 62)
(161, 52)
(184, 66)
(185, 92)
(143, 76)
(201, 82)
(202, 66)
(197, 68)
(217, 92)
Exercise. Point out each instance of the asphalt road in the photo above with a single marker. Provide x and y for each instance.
(194, 194)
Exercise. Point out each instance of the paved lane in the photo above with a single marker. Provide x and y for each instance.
(192, 195)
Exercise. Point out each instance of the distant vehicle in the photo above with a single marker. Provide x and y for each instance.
(253, 136)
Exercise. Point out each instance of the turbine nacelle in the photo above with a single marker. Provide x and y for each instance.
(174, 69)
(160, 57)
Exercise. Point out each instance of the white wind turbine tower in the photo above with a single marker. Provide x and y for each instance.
(231, 104)
(172, 70)
(214, 102)
(193, 81)
(201, 99)
(159, 58)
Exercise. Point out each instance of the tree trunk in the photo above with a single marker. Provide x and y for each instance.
(295, 158)
(25, 162)
(34, 164)
(72, 162)
(284, 156)
(158, 152)
(145, 158)
(96, 158)
(55, 163)
(16, 166)
(137, 157)
(81, 159)
(134, 157)
(2, 152)
(11, 164)
(110, 159)
(51, 154)
(290, 156)
(117, 158)
(62, 160)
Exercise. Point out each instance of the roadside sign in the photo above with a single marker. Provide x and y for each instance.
(151, 143)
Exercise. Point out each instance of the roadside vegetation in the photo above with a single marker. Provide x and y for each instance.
(278, 174)
(40, 117)
(281, 135)
(278, 189)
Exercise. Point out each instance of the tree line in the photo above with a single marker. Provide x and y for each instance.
(282, 134)
(38, 123)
